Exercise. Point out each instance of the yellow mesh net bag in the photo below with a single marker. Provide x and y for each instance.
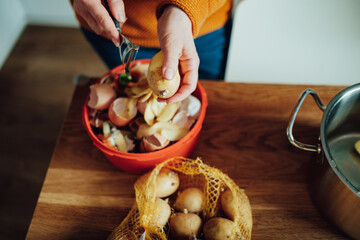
(192, 173)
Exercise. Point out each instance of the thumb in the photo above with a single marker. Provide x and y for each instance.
(170, 62)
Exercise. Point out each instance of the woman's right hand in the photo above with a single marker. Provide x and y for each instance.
(177, 43)
(98, 18)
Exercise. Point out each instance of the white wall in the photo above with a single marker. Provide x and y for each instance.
(50, 12)
(16, 14)
(273, 41)
(12, 22)
(298, 41)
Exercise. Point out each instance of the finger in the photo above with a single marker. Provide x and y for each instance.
(93, 24)
(187, 87)
(171, 60)
(183, 92)
(102, 17)
(117, 9)
(85, 14)
(190, 74)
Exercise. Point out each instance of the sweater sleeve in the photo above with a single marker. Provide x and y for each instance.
(197, 10)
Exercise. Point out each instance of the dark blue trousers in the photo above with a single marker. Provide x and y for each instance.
(212, 49)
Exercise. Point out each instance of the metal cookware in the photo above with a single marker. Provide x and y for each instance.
(335, 176)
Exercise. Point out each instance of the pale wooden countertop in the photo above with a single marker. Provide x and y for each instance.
(244, 135)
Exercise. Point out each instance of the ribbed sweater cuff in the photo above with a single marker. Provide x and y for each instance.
(196, 15)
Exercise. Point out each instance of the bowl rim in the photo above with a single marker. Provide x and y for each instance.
(201, 95)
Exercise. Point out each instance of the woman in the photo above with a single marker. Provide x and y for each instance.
(169, 25)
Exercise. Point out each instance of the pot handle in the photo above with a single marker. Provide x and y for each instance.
(289, 130)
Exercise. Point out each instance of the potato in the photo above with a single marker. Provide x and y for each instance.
(185, 225)
(167, 182)
(190, 200)
(163, 88)
(220, 228)
(227, 204)
(162, 214)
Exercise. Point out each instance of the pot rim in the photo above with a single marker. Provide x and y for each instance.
(324, 143)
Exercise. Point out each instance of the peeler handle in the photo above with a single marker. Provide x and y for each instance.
(289, 130)
(117, 24)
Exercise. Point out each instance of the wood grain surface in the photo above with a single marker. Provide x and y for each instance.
(244, 135)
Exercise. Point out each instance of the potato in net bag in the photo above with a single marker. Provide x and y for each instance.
(192, 173)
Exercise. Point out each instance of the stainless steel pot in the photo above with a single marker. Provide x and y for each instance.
(335, 177)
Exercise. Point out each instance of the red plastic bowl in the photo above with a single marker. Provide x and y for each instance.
(138, 163)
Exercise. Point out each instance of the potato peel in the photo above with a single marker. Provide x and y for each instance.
(174, 134)
(137, 91)
(149, 115)
(357, 146)
(157, 107)
(147, 96)
(137, 97)
(169, 130)
(168, 112)
(106, 129)
(130, 107)
(120, 142)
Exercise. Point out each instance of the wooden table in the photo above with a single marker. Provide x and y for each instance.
(244, 135)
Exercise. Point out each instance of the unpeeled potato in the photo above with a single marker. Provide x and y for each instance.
(162, 214)
(167, 182)
(185, 226)
(163, 88)
(227, 204)
(190, 200)
(221, 228)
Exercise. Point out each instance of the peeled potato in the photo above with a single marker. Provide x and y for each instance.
(221, 228)
(185, 226)
(167, 182)
(227, 204)
(162, 214)
(190, 200)
(163, 88)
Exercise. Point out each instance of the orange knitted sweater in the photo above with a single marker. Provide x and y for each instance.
(140, 26)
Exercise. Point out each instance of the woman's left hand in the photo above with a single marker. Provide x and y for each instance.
(177, 43)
